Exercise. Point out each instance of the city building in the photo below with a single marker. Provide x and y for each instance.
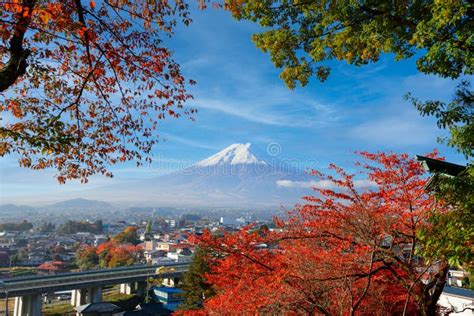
(170, 297)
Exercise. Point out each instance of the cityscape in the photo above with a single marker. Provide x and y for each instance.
(236, 157)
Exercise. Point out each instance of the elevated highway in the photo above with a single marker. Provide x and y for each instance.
(86, 285)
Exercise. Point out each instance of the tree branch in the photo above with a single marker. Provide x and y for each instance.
(16, 65)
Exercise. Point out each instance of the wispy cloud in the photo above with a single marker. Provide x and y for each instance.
(323, 184)
(429, 86)
(188, 142)
(288, 111)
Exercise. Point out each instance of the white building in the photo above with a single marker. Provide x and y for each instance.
(457, 301)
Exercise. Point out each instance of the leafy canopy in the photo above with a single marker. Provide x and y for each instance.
(128, 236)
(84, 85)
(121, 250)
(348, 251)
(452, 234)
(457, 116)
(196, 288)
(301, 36)
(86, 257)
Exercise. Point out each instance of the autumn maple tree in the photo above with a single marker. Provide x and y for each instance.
(83, 85)
(348, 250)
(120, 250)
(112, 255)
(127, 236)
(86, 257)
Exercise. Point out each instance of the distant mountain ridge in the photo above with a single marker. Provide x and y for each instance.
(80, 203)
(13, 208)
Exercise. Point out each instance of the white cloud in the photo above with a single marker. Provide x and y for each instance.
(285, 111)
(322, 184)
(188, 142)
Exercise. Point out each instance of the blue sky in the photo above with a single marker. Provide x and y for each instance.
(240, 98)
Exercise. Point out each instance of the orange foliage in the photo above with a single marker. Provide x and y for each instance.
(98, 81)
(350, 250)
(112, 254)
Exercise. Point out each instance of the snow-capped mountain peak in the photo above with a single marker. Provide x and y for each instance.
(234, 154)
(239, 176)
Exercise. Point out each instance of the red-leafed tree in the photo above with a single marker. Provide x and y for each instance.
(352, 249)
(84, 85)
(127, 236)
(124, 255)
(112, 254)
(86, 257)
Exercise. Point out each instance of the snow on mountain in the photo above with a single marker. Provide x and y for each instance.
(234, 154)
(237, 176)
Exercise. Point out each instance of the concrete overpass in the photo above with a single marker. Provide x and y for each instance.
(86, 286)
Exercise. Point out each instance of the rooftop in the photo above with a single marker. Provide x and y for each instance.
(165, 289)
(459, 291)
(439, 166)
(97, 308)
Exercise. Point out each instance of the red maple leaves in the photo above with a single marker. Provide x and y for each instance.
(112, 254)
(87, 83)
(352, 249)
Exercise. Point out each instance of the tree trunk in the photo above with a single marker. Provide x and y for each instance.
(16, 65)
(433, 291)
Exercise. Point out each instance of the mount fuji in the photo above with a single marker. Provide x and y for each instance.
(239, 176)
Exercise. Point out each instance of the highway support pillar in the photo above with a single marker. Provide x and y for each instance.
(127, 288)
(94, 295)
(78, 297)
(48, 298)
(141, 289)
(29, 305)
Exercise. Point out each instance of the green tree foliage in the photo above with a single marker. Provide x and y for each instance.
(20, 227)
(148, 231)
(46, 227)
(127, 236)
(452, 234)
(195, 287)
(301, 35)
(21, 255)
(457, 116)
(148, 228)
(72, 227)
(87, 258)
